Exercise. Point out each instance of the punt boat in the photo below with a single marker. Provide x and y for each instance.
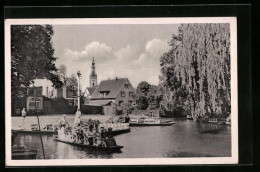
(110, 148)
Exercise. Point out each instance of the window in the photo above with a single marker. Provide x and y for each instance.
(122, 94)
(33, 102)
(126, 85)
(131, 94)
(103, 94)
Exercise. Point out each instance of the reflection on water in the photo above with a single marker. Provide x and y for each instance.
(184, 139)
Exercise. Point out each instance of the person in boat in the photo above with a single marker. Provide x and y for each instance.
(109, 133)
(127, 118)
(63, 122)
(110, 141)
(97, 123)
(97, 138)
(81, 136)
(103, 137)
(85, 133)
(91, 135)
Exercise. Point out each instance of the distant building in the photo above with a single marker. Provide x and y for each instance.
(35, 99)
(93, 75)
(118, 90)
(88, 94)
(66, 93)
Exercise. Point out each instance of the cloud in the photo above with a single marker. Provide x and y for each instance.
(128, 53)
(101, 51)
(138, 63)
(154, 49)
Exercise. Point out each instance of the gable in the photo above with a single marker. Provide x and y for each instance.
(111, 87)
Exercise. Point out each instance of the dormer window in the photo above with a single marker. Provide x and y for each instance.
(126, 85)
(103, 94)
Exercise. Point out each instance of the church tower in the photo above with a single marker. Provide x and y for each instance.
(93, 75)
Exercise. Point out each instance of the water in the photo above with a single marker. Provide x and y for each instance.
(186, 138)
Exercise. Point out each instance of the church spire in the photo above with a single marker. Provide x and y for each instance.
(93, 75)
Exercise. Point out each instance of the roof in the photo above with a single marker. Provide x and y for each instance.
(114, 86)
(99, 102)
(91, 89)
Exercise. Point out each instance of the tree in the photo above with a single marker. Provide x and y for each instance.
(198, 65)
(126, 105)
(72, 84)
(147, 95)
(62, 71)
(31, 57)
(142, 91)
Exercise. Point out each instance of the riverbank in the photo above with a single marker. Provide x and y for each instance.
(186, 138)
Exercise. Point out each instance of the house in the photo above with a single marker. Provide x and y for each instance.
(88, 94)
(118, 90)
(66, 93)
(36, 99)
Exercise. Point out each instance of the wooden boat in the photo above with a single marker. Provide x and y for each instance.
(150, 121)
(23, 153)
(152, 124)
(189, 117)
(48, 129)
(110, 148)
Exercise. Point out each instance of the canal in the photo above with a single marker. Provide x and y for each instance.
(186, 138)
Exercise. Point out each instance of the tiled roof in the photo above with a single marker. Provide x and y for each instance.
(91, 89)
(113, 86)
(99, 102)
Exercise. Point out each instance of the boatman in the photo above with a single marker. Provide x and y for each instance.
(127, 118)
(63, 121)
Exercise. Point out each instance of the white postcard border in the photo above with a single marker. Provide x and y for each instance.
(125, 161)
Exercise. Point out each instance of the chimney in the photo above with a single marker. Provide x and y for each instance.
(116, 78)
(47, 92)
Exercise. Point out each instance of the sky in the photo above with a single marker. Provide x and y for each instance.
(120, 50)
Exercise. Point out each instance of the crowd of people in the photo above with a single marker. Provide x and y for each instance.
(88, 132)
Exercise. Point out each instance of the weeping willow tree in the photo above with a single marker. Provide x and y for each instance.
(197, 68)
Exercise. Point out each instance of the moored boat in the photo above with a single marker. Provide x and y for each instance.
(48, 129)
(117, 129)
(150, 121)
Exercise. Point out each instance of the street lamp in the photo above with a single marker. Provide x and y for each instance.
(79, 75)
(78, 112)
